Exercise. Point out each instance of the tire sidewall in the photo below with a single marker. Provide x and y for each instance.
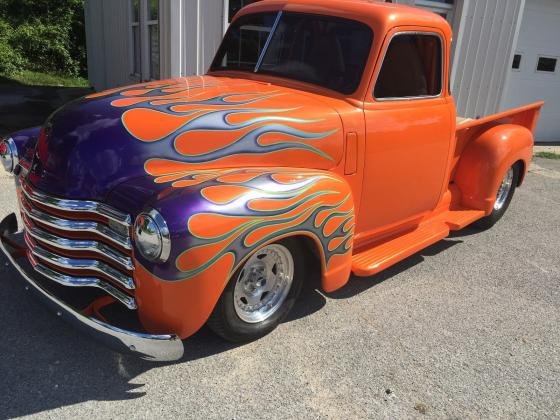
(239, 330)
(490, 220)
(497, 214)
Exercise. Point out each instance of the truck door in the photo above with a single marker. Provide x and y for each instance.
(408, 131)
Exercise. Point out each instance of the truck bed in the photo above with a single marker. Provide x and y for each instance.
(468, 128)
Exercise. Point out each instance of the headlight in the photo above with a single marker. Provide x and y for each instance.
(9, 155)
(151, 236)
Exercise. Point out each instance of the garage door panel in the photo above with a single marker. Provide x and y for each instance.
(539, 36)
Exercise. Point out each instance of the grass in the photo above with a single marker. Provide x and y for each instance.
(547, 155)
(34, 78)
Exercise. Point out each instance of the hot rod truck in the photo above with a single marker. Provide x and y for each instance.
(322, 140)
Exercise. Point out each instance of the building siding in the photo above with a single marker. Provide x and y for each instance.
(107, 40)
(487, 32)
(190, 33)
(539, 35)
(191, 30)
(202, 33)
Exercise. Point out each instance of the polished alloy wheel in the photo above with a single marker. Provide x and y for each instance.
(264, 283)
(504, 190)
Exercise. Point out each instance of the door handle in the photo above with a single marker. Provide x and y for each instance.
(351, 158)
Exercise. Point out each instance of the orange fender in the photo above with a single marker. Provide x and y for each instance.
(243, 210)
(485, 160)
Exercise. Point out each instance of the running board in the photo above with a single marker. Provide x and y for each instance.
(460, 218)
(386, 254)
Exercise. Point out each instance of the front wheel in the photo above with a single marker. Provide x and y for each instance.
(503, 198)
(260, 293)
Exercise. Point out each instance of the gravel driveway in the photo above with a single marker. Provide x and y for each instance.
(469, 328)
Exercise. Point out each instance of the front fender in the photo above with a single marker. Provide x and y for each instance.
(218, 218)
(25, 141)
(485, 161)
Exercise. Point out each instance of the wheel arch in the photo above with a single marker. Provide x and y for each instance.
(485, 161)
(223, 216)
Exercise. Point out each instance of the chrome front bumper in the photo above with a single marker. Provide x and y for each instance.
(165, 347)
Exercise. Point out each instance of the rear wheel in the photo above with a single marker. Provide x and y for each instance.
(503, 198)
(261, 293)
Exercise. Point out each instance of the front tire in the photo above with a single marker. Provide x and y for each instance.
(503, 199)
(261, 292)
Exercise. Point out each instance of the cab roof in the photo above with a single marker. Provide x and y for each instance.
(376, 14)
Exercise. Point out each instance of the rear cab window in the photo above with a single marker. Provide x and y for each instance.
(412, 67)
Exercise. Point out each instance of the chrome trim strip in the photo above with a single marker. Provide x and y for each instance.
(80, 264)
(79, 245)
(162, 347)
(77, 225)
(85, 206)
(165, 235)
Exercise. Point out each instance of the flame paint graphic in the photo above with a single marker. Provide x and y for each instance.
(213, 125)
(249, 208)
(205, 125)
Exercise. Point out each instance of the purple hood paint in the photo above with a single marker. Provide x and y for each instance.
(89, 149)
(87, 152)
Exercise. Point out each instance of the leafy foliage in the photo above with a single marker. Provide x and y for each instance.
(42, 35)
(10, 60)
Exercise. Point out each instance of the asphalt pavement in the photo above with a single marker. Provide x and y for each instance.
(468, 328)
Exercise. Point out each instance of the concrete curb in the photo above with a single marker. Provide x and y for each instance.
(551, 149)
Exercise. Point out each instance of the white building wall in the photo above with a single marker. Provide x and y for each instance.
(190, 33)
(107, 39)
(539, 36)
(486, 32)
(193, 31)
(203, 32)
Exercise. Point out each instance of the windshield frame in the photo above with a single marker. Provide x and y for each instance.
(217, 67)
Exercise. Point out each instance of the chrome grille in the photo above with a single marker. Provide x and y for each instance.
(85, 206)
(79, 243)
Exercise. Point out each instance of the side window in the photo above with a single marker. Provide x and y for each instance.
(411, 67)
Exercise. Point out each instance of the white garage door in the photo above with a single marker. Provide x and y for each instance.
(535, 72)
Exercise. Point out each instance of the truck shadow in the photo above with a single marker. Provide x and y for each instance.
(45, 365)
(358, 285)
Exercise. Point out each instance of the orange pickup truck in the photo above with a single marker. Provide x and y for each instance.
(323, 139)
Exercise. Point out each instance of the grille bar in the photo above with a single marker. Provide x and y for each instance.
(77, 225)
(80, 264)
(71, 281)
(80, 245)
(82, 206)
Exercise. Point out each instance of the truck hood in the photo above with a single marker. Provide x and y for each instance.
(169, 129)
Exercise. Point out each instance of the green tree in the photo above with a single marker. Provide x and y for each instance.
(43, 35)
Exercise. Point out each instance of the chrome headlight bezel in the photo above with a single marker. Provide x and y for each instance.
(9, 154)
(151, 236)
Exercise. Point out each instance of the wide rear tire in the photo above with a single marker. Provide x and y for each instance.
(503, 199)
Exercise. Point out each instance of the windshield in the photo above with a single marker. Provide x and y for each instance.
(323, 50)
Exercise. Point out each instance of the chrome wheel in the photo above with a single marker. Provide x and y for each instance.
(264, 283)
(504, 190)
